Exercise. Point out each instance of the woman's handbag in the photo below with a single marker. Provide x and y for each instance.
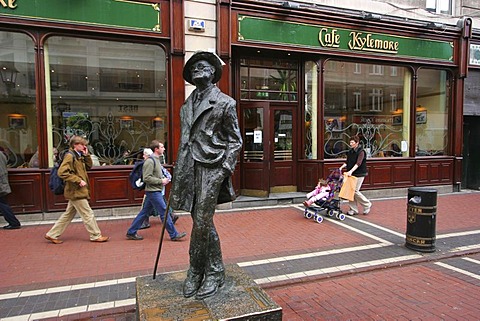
(348, 188)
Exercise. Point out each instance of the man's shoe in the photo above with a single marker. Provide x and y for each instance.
(144, 226)
(191, 284)
(179, 236)
(135, 237)
(209, 287)
(11, 227)
(367, 210)
(54, 241)
(352, 212)
(100, 239)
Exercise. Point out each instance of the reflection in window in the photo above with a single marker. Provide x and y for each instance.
(354, 105)
(268, 80)
(311, 108)
(432, 112)
(114, 93)
(253, 135)
(18, 123)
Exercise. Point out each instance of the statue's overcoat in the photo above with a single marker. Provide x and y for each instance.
(210, 136)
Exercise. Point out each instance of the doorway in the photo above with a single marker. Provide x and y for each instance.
(268, 160)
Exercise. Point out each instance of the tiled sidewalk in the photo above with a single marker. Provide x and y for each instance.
(282, 250)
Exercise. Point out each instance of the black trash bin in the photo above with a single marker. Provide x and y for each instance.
(421, 219)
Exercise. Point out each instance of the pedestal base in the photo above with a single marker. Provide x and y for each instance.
(238, 299)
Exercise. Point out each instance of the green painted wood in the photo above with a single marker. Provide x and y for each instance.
(253, 29)
(115, 13)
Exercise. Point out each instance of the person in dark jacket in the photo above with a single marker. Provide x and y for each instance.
(210, 142)
(6, 210)
(73, 171)
(357, 166)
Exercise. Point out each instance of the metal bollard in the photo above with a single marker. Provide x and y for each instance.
(421, 219)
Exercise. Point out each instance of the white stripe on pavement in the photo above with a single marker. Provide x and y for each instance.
(334, 269)
(450, 267)
(73, 310)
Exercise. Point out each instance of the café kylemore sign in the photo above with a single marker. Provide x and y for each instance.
(262, 30)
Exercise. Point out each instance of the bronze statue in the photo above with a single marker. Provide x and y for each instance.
(209, 146)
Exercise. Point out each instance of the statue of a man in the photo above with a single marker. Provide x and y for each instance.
(209, 146)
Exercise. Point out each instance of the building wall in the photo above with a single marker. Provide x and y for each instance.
(198, 40)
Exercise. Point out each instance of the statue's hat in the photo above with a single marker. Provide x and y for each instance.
(211, 57)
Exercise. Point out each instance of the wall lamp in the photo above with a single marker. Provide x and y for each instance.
(371, 16)
(435, 25)
(291, 5)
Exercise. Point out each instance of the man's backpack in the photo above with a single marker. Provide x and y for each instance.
(55, 183)
(136, 175)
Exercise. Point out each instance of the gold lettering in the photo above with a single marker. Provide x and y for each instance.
(367, 42)
(329, 39)
(10, 4)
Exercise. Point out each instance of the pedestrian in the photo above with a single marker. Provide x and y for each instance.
(322, 190)
(73, 170)
(147, 152)
(155, 182)
(210, 142)
(357, 166)
(13, 223)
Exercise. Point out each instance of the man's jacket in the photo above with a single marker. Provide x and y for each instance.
(72, 170)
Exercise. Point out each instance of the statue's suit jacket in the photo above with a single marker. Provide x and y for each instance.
(210, 136)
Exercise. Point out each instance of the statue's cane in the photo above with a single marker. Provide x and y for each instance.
(167, 213)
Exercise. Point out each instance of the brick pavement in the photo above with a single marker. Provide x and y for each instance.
(30, 263)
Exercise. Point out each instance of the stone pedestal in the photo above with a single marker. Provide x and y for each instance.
(239, 299)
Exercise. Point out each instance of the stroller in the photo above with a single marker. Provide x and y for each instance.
(331, 204)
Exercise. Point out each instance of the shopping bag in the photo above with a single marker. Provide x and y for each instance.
(348, 188)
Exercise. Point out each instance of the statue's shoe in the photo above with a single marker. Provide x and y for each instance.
(210, 286)
(191, 285)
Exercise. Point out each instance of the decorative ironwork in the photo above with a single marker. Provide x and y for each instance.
(377, 140)
(111, 141)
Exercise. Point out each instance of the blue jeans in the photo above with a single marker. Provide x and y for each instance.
(157, 201)
(7, 212)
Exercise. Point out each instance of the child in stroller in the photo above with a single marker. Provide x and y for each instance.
(322, 190)
(325, 198)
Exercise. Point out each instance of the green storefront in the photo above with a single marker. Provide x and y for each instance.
(101, 69)
(308, 82)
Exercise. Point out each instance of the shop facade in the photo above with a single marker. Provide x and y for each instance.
(101, 69)
(307, 78)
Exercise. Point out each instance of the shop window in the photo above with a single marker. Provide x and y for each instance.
(393, 102)
(18, 120)
(431, 119)
(311, 110)
(113, 93)
(377, 99)
(358, 100)
(268, 80)
(376, 70)
(354, 105)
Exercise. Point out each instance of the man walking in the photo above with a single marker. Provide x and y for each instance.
(154, 185)
(73, 171)
(209, 146)
(13, 223)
